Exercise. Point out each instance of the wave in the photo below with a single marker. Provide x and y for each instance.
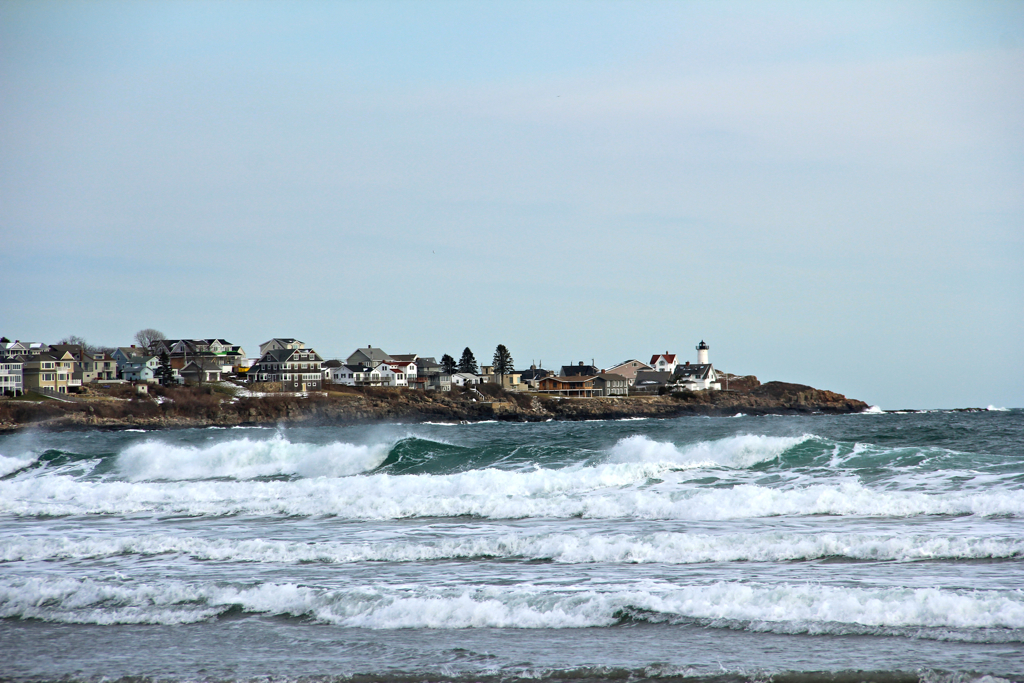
(992, 408)
(247, 459)
(873, 410)
(10, 465)
(739, 452)
(623, 490)
(979, 616)
(569, 548)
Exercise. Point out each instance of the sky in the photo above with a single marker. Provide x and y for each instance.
(828, 193)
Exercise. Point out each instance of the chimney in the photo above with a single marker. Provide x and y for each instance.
(581, 363)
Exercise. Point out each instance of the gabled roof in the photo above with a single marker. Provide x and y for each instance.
(693, 371)
(371, 353)
(651, 378)
(575, 370)
(669, 358)
(406, 356)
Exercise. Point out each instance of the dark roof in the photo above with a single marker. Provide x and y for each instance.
(692, 371)
(535, 373)
(576, 370)
(650, 378)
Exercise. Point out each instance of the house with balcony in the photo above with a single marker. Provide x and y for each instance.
(12, 382)
(578, 386)
(141, 369)
(355, 375)
(298, 369)
(49, 373)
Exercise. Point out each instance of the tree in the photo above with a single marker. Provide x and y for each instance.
(164, 373)
(148, 337)
(503, 363)
(75, 340)
(468, 362)
(448, 364)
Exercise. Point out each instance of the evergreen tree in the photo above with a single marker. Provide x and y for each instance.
(164, 372)
(448, 364)
(468, 362)
(503, 363)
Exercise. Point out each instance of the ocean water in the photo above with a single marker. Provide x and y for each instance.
(881, 547)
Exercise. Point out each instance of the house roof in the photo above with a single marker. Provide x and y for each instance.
(669, 358)
(406, 356)
(371, 353)
(651, 378)
(574, 370)
(693, 371)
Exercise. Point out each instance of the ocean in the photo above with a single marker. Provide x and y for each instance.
(871, 547)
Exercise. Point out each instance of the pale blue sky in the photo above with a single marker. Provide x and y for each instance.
(828, 193)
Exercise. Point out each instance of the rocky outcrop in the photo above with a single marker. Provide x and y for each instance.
(179, 408)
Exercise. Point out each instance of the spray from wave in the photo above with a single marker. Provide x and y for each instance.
(735, 452)
(247, 459)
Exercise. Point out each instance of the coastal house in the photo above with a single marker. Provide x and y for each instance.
(12, 382)
(20, 348)
(200, 371)
(664, 362)
(700, 376)
(579, 370)
(356, 375)
(650, 381)
(579, 386)
(368, 355)
(608, 384)
(531, 378)
(510, 381)
(466, 379)
(49, 373)
(628, 369)
(89, 367)
(278, 343)
(230, 357)
(299, 369)
(403, 370)
(141, 369)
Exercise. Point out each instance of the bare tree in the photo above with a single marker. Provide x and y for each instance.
(148, 337)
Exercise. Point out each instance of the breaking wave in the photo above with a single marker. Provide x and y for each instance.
(247, 459)
(737, 452)
(985, 616)
(570, 548)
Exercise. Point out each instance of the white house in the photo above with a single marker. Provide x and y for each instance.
(700, 376)
(355, 375)
(11, 376)
(464, 379)
(141, 369)
(404, 370)
(665, 362)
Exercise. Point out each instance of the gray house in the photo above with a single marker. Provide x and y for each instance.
(367, 355)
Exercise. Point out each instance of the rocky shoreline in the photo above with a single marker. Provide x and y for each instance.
(179, 408)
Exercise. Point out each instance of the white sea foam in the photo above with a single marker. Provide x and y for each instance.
(247, 458)
(570, 548)
(736, 451)
(784, 608)
(873, 410)
(999, 410)
(617, 490)
(13, 464)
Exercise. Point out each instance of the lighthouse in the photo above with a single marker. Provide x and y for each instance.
(702, 353)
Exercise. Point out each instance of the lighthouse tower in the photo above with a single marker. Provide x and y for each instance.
(702, 353)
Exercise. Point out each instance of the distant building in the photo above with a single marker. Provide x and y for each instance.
(608, 384)
(298, 369)
(650, 381)
(628, 369)
(12, 381)
(700, 376)
(367, 355)
(278, 343)
(664, 362)
(579, 370)
(580, 386)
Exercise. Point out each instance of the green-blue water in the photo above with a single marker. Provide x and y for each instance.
(881, 547)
